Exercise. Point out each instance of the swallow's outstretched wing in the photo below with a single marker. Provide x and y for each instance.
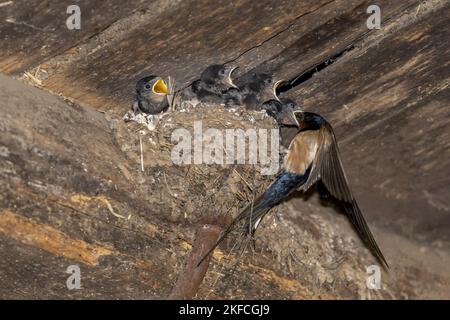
(327, 166)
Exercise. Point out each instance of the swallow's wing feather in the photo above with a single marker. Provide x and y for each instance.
(330, 166)
(331, 172)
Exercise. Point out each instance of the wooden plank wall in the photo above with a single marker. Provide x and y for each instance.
(389, 103)
(386, 91)
(34, 31)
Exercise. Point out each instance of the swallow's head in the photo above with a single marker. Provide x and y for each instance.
(264, 84)
(276, 86)
(150, 90)
(219, 75)
(268, 87)
(152, 87)
(308, 120)
(273, 108)
(287, 117)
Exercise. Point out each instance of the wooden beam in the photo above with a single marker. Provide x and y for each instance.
(179, 42)
(34, 31)
(387, 100)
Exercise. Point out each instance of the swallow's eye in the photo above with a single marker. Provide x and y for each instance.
(222, 72)
(268, 81)
(147, 86)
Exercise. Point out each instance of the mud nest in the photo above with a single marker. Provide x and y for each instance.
(198, 191)
(302, 243)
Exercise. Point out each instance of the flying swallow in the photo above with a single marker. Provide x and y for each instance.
(151, 95)
(214, 81)
(313, 156)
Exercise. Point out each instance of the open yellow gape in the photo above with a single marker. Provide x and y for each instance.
(275, 86)
(160, 87)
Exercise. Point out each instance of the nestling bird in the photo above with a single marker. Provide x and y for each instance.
(214, 81)
(151, 95)
(282, 111)
(312, 156)
(232, 97)
(259, 89)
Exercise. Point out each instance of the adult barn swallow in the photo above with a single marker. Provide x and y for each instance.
(312, 156)
(214, 81)
(151, 95)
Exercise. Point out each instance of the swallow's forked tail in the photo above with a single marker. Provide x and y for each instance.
(252, 215)
(254, 212)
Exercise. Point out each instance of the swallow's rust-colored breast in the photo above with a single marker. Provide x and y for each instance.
(302, 152)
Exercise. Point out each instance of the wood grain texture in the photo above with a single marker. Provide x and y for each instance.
(389, 104)
(317, 37)
(179, 42)
(33, 31)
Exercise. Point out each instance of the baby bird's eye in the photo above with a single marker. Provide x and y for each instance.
(268, 81)
(147, 86)
(222, 72)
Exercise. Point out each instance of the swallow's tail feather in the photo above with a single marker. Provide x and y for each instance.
(253, 214)
(286, 183)
(361, 227)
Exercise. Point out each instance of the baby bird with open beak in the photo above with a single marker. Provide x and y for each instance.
(214, 81)
(282, 111)
(151, 95)
(259, 89)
